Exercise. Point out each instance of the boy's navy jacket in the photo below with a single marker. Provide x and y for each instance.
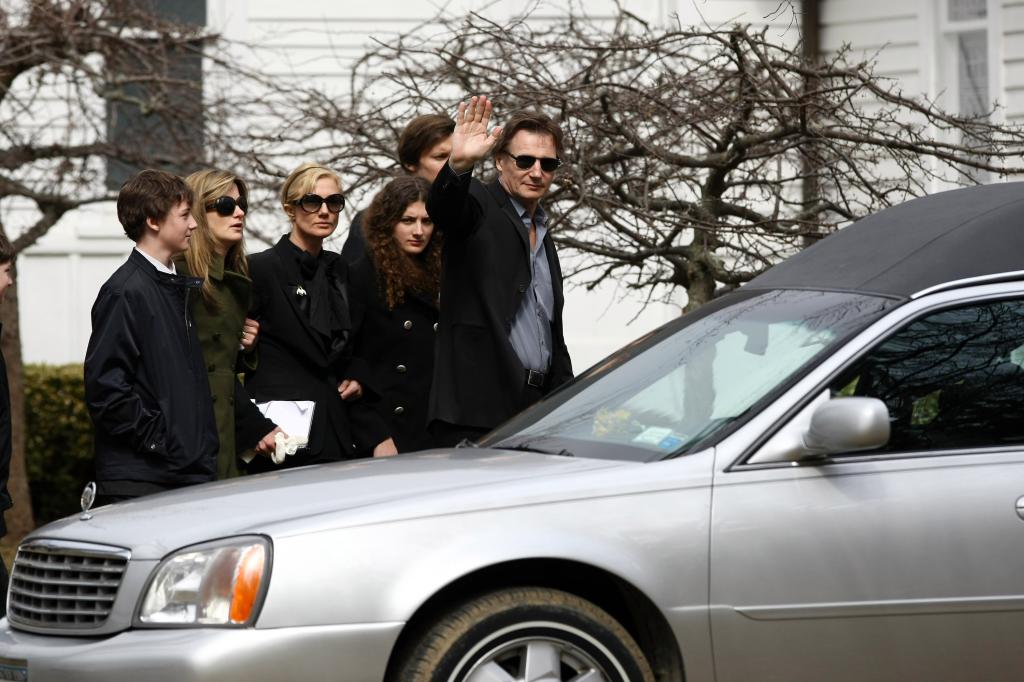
(145, 381)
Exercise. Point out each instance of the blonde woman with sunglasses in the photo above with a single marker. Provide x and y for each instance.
(302, 304)
(216, 255)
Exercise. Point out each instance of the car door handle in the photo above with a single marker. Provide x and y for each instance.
(1020, 506)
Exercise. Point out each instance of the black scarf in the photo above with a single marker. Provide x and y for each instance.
(326, 301)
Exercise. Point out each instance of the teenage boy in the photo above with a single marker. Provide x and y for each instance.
(145, 382)
(6, 261)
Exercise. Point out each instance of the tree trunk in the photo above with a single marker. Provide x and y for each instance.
(811, 43)
(700, 287)
(19, 518)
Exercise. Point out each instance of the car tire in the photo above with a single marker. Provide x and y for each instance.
(523, 635)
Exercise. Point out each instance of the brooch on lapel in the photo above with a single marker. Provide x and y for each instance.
(299, 291)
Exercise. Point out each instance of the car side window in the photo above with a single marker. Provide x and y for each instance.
(952, 379)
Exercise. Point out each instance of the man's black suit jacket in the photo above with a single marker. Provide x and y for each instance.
(478, 378)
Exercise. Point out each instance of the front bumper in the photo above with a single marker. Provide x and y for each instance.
(354, 653)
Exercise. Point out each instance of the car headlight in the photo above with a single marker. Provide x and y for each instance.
(216, 583)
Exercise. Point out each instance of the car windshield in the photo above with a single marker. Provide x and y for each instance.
(681, 386)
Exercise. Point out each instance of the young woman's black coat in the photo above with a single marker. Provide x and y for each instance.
(398, 346)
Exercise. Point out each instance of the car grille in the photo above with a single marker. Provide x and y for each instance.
(65, 584)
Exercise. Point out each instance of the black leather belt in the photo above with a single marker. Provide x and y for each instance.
(536, 379)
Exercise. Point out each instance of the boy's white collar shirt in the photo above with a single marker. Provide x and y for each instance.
(157, 264)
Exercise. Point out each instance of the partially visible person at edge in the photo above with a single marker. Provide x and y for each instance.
(398, 283)
(423, 147)
(6, 280)
(300, 299)
(500, 345)
(216, 255)
(145, 381)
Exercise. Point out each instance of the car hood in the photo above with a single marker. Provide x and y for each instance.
(328, 496)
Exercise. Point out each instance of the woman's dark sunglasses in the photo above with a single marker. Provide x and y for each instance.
(525, 161)
(225, 205)
(311, 203)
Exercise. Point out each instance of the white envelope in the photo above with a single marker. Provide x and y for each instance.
(293, 416)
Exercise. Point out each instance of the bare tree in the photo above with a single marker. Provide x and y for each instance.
(696, 158)
(89, 91)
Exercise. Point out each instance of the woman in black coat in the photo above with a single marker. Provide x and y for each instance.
(396, 286)
(300, 300)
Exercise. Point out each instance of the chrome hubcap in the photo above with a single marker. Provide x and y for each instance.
(536, 660)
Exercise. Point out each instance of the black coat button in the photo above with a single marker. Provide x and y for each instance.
(407, 324)
(400, 369)
(399, 410)
(522, 288)
(211, 367)
(435, 326)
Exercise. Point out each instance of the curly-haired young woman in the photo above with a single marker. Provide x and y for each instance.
(397, 283)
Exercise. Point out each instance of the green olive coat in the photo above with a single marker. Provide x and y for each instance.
(240, 426)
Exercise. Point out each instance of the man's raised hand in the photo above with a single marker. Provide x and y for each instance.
(471, 141)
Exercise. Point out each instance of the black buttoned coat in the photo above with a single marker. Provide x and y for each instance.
(398, 346)
(295, 363)
(478, 378)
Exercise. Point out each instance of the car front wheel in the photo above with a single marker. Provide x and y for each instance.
(526, 635)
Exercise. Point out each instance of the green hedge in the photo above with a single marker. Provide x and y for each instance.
(58, 439)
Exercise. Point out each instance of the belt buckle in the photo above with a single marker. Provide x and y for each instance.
(535, 378)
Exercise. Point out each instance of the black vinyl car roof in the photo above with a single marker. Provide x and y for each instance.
(923, 243)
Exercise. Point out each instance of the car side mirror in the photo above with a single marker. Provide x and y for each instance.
(847, 424)
(827, 426)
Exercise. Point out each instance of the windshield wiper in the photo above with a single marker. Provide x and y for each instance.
(525, 446)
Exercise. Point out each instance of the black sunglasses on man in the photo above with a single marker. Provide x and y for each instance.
(525, 161)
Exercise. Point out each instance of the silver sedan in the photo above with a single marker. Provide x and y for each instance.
(813, 478)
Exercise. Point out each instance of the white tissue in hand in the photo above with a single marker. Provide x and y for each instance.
(286, 445)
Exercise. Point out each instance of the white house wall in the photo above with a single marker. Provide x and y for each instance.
(884, 32)
(775, 14)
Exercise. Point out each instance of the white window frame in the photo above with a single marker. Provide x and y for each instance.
(948, 85)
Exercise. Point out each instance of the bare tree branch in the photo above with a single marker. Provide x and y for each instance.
(696, 158)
